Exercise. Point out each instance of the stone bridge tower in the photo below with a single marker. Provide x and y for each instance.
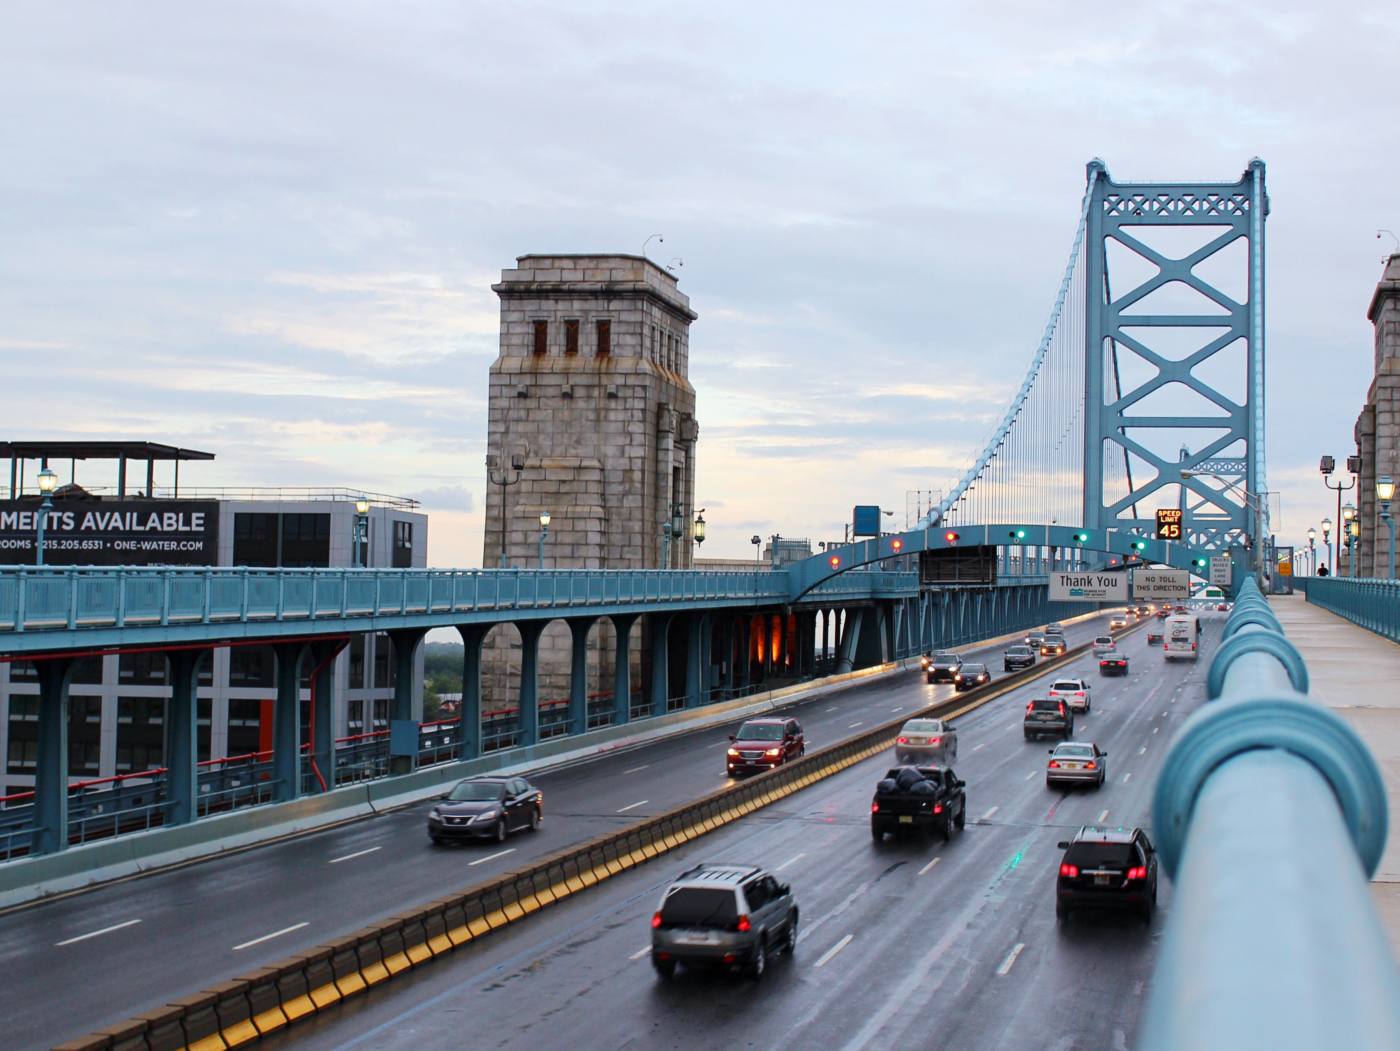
(590, 396)
(1378, 427)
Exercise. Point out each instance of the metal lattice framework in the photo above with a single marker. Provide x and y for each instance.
(1148, 395)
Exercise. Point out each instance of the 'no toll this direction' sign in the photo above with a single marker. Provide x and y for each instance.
(1088, 587)
(1161, 583)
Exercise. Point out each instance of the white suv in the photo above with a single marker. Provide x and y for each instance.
(1074, 692)
(1104, 643)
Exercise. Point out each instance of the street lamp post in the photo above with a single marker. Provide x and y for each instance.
(1312, 551)
(1385, 492)
(697, 530)
(493, 468)
(544, 534)
(1348, 516)
(1353, 543)
(361, 531)
(1326, 535)
(48, 482)
(1326, 467)
(671, 527)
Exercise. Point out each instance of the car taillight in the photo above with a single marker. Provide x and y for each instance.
(934, 740)
(874, 808)
(1030, 707)
(938, 808)
(743, 925)
(1103, 664)
(1062, 709)
(1069, 871)
(1091, 766)
(1140, 872)
(655, 920)
(901, 740)
(1054, 764)
(1193, 645)
(1079, 693)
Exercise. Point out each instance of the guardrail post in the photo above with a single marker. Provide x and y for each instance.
(286, 722)
(469, 717)
(579, 628)
(530, 632)
(660, 625)
(51, 774)
(622, 666)
(182, 736)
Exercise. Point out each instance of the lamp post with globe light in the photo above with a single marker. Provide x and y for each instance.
(1385, 492)
(361, 534)
(544, 534)
(48, 482)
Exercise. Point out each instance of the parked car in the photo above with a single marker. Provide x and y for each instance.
(1107, 869)
(971, 676)
(1014, 658)
(1113, 663)
(944, 666)
(486, 808)
(763, 743)
(1045, 715)
(1074, 692)
(1103, 643)
(929, 742)
(1076, 763)
(1053, 646)
(723, 915)
(918, 799)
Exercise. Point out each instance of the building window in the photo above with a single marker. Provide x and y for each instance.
(357, 663)
(250, 666)
(140, 734)
(571, 337)
(244, 726)
(254, 539)
(84, 735)
(383, 662)
(541, 337)
(141, 669)
(381, 715)
(306, 540)
(656, 344)
(87, 671)
(604, 327)
(403, 544)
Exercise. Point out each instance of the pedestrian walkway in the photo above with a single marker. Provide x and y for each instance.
(1355, 673)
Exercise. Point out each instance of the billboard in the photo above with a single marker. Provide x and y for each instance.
(112, 533)
(1161, 583)
(1088, 587)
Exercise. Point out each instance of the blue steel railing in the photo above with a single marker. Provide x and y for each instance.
(1270, 815)
(1373, 604)
(79, 598)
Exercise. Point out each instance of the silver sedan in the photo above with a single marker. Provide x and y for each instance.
(1076, 763)
(926, 742)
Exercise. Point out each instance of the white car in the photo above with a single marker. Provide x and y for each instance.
(1074, 692)
(926, 742)
(1103, 644)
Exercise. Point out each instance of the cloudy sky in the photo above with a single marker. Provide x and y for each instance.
(269, 229)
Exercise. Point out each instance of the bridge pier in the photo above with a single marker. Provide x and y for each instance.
(469, 715)
(742, 653)
(622, 666)
(182, 737)
(323, 709)
(286, 722)
(529, 705)
(406, 706)
(696, 670)
(660, 624)
(51, 772)
(579, 627)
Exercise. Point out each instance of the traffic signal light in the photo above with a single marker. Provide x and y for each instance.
(1139, 545)
(951, 537)
(897, 545)
(835, 561)
(1081, 538)
(1199, 563)
(1018, 534)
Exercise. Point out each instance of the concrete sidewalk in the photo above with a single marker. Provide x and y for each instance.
(1357, 675)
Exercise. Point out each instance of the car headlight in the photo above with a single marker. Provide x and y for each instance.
(435, 812)
(733, 753)
(489, 815)
(773, 752)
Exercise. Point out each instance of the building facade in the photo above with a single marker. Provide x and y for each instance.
(117, 708)
(591, 420)
(1378, 427)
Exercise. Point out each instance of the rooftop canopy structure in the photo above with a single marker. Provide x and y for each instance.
(73, 451)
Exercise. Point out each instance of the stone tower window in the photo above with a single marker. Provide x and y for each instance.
(571, 336)
(541, 337)
(604, 337)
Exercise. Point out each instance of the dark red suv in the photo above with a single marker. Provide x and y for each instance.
(762, 744)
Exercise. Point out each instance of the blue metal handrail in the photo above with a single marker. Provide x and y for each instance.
(1373, 604)
(1270, 815)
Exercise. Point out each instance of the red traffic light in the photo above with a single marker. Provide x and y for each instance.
(834, 561)
(951, 537)
(897, 545)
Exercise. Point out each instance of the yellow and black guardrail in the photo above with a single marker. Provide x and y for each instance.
(254, 1005)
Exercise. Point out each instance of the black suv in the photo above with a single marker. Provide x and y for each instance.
(1107, 868)
(1052, 646)
(723, 915)
(1014, 658)
(1048, 715)
(944, 666)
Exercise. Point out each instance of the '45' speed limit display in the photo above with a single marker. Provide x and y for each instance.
(1169, 523)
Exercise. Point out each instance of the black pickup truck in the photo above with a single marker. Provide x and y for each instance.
(922, 798)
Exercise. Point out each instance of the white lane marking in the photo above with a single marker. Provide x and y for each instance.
(989, 813)
(789, 861)
(1142, 750)
(930, 865)
(833, 950)
(899, 709)
(1127, 778)
(637, 769)
(1164, 713)
(980, 746)
(854, 725)
(1032, 774)
(1006, 964)
(94, 934)
(492, 857)
(833, 708)
(640, 953)
(1155, 729)
(347, 857)
(634, 806)
(1102, 817)
(274, 934)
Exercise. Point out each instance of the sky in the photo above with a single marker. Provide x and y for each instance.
(269, 230)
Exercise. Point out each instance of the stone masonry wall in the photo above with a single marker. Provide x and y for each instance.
(1378, 426)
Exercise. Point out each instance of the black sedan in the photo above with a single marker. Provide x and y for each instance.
(1113, 663)
(486, 808)
(1014, 658)
(971, 676)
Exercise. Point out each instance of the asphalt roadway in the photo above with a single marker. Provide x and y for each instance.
(910, 943)
(77, 963)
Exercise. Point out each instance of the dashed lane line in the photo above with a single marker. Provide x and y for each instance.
(791, 860)
(274, 934)
(822, 960)
(1102, 817)
(94, 934)
(989, 813)
(634, 806)
(640, 953)
(1142, 750)
(930, 865)
(854, 725)
(1010, 960)
(492, 857)
(1127, 778)
(637, 769)
(348, 857)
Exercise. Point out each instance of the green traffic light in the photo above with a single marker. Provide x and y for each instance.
(1018, 534)
(1081, 537)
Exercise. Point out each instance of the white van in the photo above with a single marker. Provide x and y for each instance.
(1182, 636)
